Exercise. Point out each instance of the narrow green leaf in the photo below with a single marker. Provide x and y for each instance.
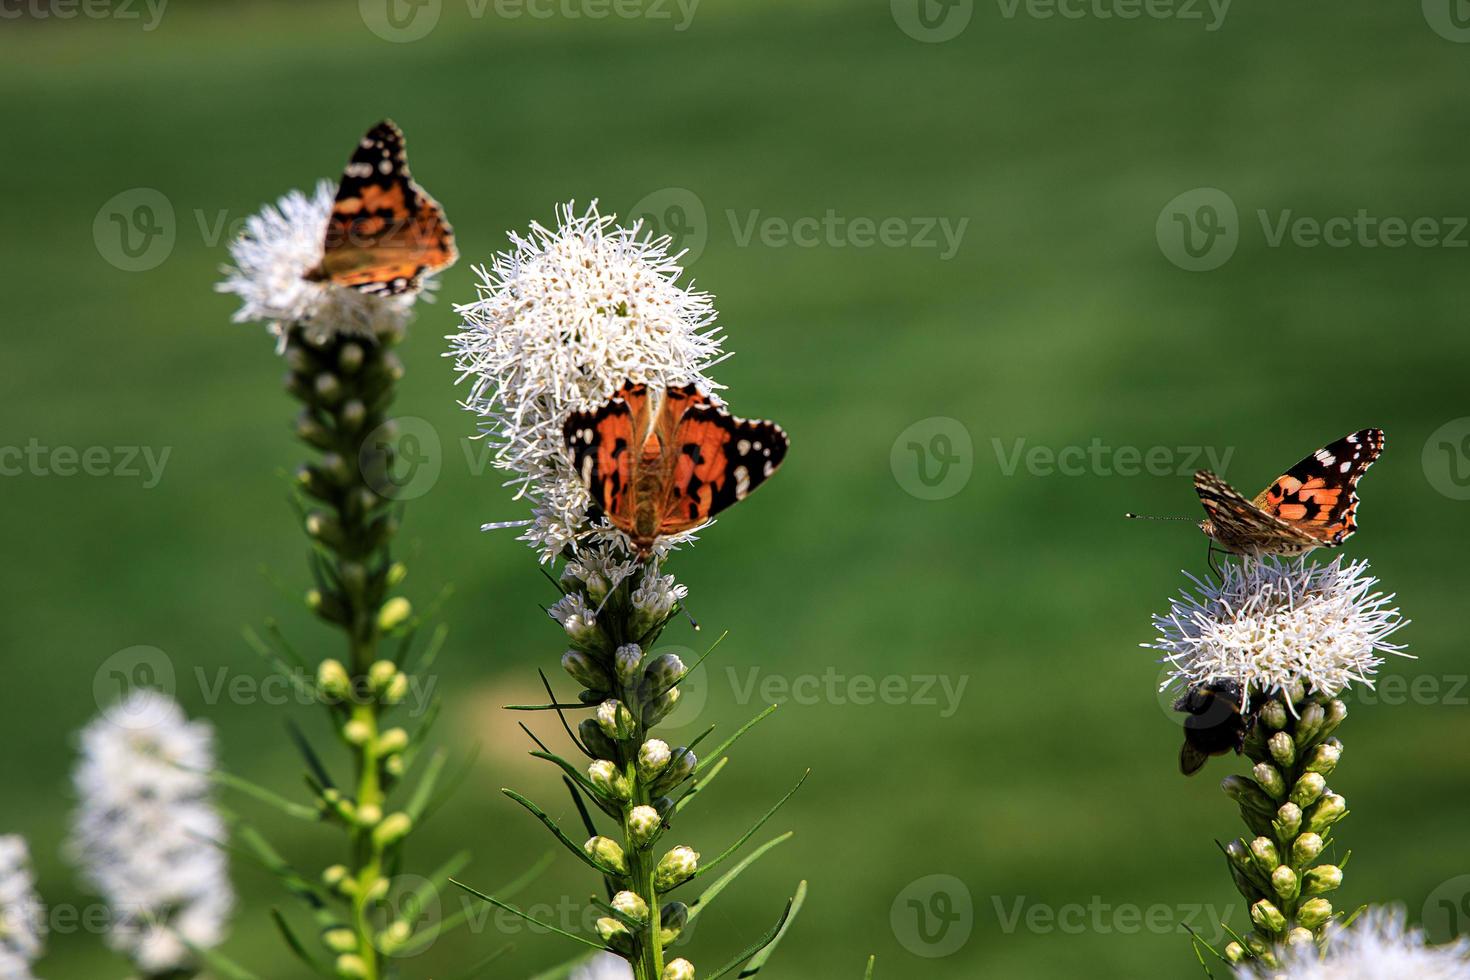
(476, 972)
(754, 947)
(221, 963)
(759, 959)
(424, 791)
(297, 947)
(527, 916)
(288, 807)
(872, 962)
(570, 770)
(453, 783)
(725, 746)
(752, 831)
(699, 784)
(713, 891)
(570, 844)
(313, 761)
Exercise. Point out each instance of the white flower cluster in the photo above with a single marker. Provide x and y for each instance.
(1271, 624)
(146, 835)
(1378, 946)
(603, 966)
(563, 319)
(272, 256)
(22, 921)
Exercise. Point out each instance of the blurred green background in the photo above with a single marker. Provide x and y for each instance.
(1061, 319)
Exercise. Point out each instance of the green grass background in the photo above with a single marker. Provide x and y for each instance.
(1059, 321)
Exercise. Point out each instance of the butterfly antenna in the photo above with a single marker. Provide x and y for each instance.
(1151, 517)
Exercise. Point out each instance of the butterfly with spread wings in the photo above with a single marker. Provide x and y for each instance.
(1313, 505)
(385, 232)
(664, 461)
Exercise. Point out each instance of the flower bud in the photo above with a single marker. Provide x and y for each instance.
(350, 966)
(392, 741)
(580, 623)
(644, 824)
(357, 732)
(397, 689)
(675, 868)
(614, 933)
(661, 675)
(334, 876)
(1288, 821)
(1299, 937)
(682, 763)
(1314, 912)
(394, 613)
(1285, 883)
(1264, 852)
(1324, 757)
(632, 905)
(332, 679)
(393, 937)
(1247, 794)
(1273, 715)
(380, 675)
(340, 939)
(597, 743)
(663, 805)
(1239, 855)
(1321, 879)
(628, 658)
(671, 921)
(1269, 779)
(616, 720)
(393, 829)
(1336, 714)
(1282, 748)
(606, 852)
(680, 969)
(1268, 917)
(657, 710)
(585, 671)
(1308, 789)
(609, 780)
(1305, 848)
(653, 758)
(1308, 724)
(1235, 953)
(1326, 812)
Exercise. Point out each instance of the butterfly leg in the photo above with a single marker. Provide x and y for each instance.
(1210, 559)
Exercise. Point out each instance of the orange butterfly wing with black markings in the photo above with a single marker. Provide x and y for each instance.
(385, 232)
(666, 469)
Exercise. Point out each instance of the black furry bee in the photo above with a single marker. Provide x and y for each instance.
(1215, 724)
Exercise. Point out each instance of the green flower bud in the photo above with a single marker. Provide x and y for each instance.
(1282, 748)
(334, 876)
(1324, 757)
(657, 710)
(628, 658)
(653, 758)
(397, 572)
(393, 937)
(597, 743)
(353, 414)
(397, 689)
(1240, 855)
(680, 969)
(357, 732)
(661, 675)
(1322, 879)
(350, 966)
(394, 613)
(393, 829)
(682, 763)
(1285, 883)
(1326, 812)
(350, 357)
(369, 815)
(332, 680)
(1305, 848)
(1314, 912)
(615, 934)
(606, 852)
(1273, 714)
(1246, 885)
(1308, 789)
(616, 720)
(380, 675)
(675, 868)
(1268, 917)
(1299, 937)
(1288, 821)
(1336, 714)
(1245, 792)
(393, 765)
(1266, 857)
(340, 939)
(379, 890)
(585, 671)
(664, 805)
(392, 741)
(1308, 725)
(1235, 953)
(671, 921)
(644, 824)
(609, 780)
(324, 528)
(632, 905)
(1269, 779)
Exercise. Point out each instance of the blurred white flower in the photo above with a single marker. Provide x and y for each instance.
(562, 320)
(145, 832)
(1270, 624)
(272, 257)
(22, 919)
(1377, 946)
(603, 966)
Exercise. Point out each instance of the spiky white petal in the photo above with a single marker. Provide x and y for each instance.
(1270, 624)
(1377, 946)
(604, 966)
(146, 834)
(22, 918)
(563, 319)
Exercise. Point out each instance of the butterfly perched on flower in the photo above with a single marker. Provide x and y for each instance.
(385, 232)
(660, 461)
(1314, 504)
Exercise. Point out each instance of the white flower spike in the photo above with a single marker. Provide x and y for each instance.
(22, 919)
(1375, 947)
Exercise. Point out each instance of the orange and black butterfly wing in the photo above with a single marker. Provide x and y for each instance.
(1241, 526)
(1318, 496)
(604, 446)
(716, 461)
(385, 232)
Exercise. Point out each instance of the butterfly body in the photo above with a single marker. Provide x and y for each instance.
(664, 461)
(1312, 505)
(385, 232)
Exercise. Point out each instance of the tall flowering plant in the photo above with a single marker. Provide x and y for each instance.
(567, 319)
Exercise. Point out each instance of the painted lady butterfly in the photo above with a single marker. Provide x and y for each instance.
(1312, 505)
(385, 232)
(663, 462)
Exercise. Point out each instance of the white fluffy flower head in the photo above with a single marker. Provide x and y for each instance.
(604, 966)
(145, 831)
(562, 320)
(1377, 946)
(22, 918)
(1271, 624)
(272, 256)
